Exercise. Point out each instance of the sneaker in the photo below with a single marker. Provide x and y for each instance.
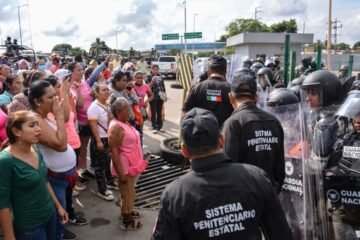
(105, 196)
(87, 174)
(161, 130)
(113, 186)
(108, 192)
(83, 180)
(80, 187)
(77, 220)
(154, 131)
(75, 193)
(67, 234)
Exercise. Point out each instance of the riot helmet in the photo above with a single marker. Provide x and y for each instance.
(276, 61)
(246, 64)
(344, 70)
(256, 66)
(281, 97)
(320, 88)
(351, 107)
(244, 71)
(260, 60)
(269, 63)
(297, 81)
(296, 90)
(356, 85)
(299, 70)
(306, 62)
(266, 71)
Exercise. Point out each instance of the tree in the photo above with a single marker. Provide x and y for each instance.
(356, 45)
(62, 49)
(174, 51)
(78, 51)
(251, 25)
(342, 46)
(284, 26)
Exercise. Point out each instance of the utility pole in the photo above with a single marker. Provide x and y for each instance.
(185, 25)
(257, 11)
(329, 38)
(195, 14)
(23, 5)
(335, 27)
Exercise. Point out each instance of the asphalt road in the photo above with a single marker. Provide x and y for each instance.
(103, 216)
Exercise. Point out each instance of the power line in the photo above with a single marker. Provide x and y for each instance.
(336, 25)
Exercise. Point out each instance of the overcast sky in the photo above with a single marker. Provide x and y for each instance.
(140, 23)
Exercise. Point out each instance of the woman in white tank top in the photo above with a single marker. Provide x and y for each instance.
(58, 156)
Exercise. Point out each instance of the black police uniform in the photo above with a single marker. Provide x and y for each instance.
(256, 137)
(219, 199)
(213, 95)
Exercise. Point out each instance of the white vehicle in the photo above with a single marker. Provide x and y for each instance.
(167, 65)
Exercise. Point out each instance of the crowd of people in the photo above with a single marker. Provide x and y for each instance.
(50, 113)
(233, 134)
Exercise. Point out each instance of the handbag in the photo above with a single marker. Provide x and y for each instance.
(144, 113)
(138, 115)
(163, 96)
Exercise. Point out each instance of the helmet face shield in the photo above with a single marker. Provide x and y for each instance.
(263, 82)
(351, 107)
(311, 96)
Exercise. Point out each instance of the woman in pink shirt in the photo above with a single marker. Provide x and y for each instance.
(142, 90)
(83, 89)
(3, 121)
(127, 159)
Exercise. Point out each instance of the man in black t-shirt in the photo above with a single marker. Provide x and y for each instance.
(213, 93)
(217, 199)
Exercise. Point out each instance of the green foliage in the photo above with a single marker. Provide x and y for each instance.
(78, 51)
(342, 46)
(62, 49)
(174, 51)
(284, 26)
(356, 45)
(251, 25)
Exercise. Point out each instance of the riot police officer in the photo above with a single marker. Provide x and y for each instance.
(217, 199)
(251, 135)
(343, 72)
(346, 155)
(256, 66)
(319, 92)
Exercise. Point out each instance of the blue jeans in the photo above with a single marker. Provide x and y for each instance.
(42, 232)
(59, 186)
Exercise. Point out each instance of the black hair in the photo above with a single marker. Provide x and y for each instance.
(88, 72)
(72, 66)
(116, 77)
(78, 58)
(36, 91)
(10, 79)
(200, 150)
(218, 65)
(52, 80)
(15, 120)
(31, 76)
(155, 66)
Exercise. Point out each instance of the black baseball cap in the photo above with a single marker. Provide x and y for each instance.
(200, 128)
(243, 84)
(216, 61)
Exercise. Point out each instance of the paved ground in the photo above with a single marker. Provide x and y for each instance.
(103, 216)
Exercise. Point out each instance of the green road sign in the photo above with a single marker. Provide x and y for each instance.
(170, 36)
(190, 35)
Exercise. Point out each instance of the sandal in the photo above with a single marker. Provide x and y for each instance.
(130, 225)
